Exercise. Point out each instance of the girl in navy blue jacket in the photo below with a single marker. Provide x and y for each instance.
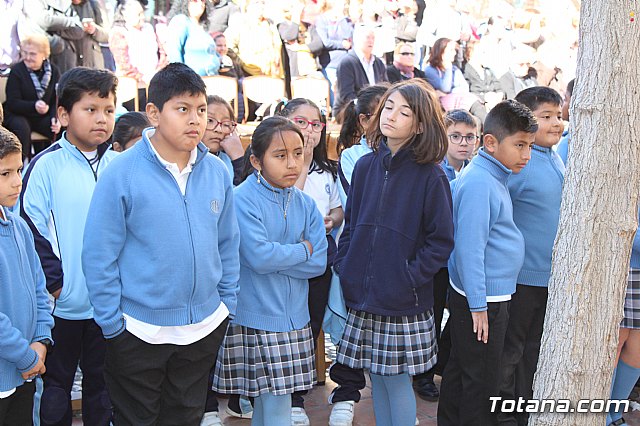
(398, 233)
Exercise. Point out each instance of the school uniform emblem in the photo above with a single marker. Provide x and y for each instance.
(215, 206)
(327, 188)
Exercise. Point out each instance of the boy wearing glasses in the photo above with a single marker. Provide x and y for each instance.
(536, 193)
(462, 131)
(161, 257)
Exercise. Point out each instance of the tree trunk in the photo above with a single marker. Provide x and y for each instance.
(598, 216)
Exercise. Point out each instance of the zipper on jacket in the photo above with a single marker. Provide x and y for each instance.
(375, 233)
(95, 172)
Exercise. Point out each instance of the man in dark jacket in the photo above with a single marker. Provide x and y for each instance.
(359, 68)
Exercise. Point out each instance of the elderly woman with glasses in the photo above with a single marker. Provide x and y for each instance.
(31, 97)
(403, 64)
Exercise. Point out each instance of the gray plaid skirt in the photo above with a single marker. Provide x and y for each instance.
(251, 362)
(632, 301)
(387, 345)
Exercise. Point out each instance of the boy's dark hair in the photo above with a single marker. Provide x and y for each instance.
(459, 116)
(535, 96)
(80, 80)
(9, 143)
(429, 141)
(321, 161)
(508, 118)
(128, 126)
(174, 80)
(570, 86)
(262, 137)
(217, 100)
(365, 103)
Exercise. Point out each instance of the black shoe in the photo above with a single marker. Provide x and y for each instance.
(426, 389)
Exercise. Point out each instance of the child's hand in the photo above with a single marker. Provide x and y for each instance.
(232, 145)
(481, 325)
(309, 247)
(328, 224)
(56, 294)
(55, 126)
(308, 152)
(39, 368)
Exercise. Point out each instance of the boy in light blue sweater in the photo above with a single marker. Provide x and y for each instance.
(536, 193)
(25, 319)
(484, 266)
(161, 259)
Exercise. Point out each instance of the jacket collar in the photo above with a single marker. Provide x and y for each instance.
(541, 149)
(144, 147)
(493, 166)
(74, 151)
(391, 162)
(270, 192)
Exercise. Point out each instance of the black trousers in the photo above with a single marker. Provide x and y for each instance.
(75, 341)
(473, 370)
(160, 384)
(23, 126)
(522, 347)
(318, 298)
(17, 410)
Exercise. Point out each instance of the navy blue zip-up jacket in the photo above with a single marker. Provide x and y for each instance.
(398, 233)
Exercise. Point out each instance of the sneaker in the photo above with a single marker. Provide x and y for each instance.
(299, 417)
(426, 389)
(239, 407)
(211, 419)
(342, 413)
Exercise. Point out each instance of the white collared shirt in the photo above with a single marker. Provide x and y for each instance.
(368, 67)
(181, 334)
(490, 299)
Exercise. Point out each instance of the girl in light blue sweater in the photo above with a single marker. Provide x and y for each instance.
(268, 350)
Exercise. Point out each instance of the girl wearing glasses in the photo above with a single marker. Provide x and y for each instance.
(221, 138)
(403, 61)
(318, 180)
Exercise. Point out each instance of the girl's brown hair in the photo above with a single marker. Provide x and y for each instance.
(435, 57)
(429, 142)
(217, 100)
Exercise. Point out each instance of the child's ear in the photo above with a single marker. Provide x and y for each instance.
(420, 129)
(255, 162)
(117, 147)
(490, 143)
(152, 114)
(63, 116)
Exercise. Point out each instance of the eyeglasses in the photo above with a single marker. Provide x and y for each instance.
(303, 123)
(407, 53)
(226, 126)
(457, 138)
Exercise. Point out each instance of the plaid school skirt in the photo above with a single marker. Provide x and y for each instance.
(632, 301)
(251, 362)
(389, 345)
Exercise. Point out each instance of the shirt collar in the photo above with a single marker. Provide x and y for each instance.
(360, 56)
(174, 166)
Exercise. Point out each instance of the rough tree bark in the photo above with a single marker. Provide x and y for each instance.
(598, 217)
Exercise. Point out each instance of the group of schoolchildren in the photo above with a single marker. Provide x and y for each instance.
(176, 274)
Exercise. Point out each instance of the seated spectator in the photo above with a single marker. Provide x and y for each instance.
(188, 41)
(256, 40)
(482, 81)
(135, 46)
(360, 68)
(229, 64)
(403, 60)
(520, 74)
(9, 51)
(447, 79)
(88, 49)
(31, 97)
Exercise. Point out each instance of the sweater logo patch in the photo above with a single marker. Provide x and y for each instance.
(327, 188)
(215, 206)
